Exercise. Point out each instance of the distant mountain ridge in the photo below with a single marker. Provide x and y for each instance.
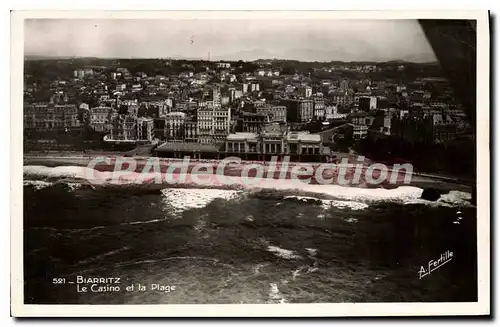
(39, 57)
(337, 55)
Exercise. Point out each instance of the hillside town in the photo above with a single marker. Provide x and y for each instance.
(253, 110)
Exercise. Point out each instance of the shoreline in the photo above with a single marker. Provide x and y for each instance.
(441, 183)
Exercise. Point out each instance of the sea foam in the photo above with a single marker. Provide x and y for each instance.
(183, 199)
(355, 198)
(283, 253)
(326, 204)
(40, 185)
(37, 185)
(275, 295)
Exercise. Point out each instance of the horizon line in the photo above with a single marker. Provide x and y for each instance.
(48, 57)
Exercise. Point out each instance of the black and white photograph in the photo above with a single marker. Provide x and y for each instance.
(251, 158)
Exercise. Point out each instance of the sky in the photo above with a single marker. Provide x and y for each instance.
(229, 39)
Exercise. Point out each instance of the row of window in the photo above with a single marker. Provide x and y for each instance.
(51, 116)
(212, 113)
(53, 119)
(48, 124)
(99, 121)
(270, 148)
(213, 125)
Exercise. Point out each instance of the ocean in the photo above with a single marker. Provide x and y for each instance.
(185, 245)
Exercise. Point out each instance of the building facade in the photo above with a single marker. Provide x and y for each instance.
(303, 143)
(81, 73)
(123, 128)
(433, 129)
(341, 98)
(213, 124)
(306, 91)
(159, 128)
(319, 107)
(243, 143)
(275, 113)
(100, 118)
(299, 110)
(275, 140)
(145, 129)
(190, 131)
(343, 85)
(367, 103)
(46, 116)
(254, 122)
(174, 126)
(358, 132)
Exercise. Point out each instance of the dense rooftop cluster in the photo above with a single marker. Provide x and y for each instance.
(232, 105)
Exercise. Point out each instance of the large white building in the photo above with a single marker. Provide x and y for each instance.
(81, 73)
(275, 140)
(224, 65)
(213, 124)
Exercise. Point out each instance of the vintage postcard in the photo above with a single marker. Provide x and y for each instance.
(250, 164)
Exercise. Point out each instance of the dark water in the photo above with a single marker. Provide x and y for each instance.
(226, 251)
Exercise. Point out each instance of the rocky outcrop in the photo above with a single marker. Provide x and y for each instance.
(431, 194)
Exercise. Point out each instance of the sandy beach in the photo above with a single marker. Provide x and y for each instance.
(421, 180)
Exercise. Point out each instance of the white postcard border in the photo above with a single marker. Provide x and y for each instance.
(19, 309)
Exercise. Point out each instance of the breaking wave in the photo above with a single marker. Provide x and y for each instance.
(283, 253)
(275, 295)
(184, 199)
(37, 185)
(40, 185)
(184, 196)
(326, 204)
